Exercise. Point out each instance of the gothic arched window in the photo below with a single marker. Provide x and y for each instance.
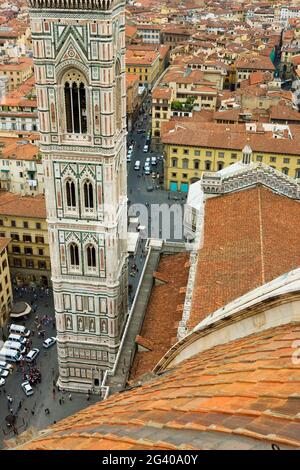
(74, 255)
(91, 256)
(70, 194)
(75, 103)
(88, 194)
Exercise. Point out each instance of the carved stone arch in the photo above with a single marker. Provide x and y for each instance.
(90, 251)
(73, 84)
(73, 254)
(66, 65)
(88, 194)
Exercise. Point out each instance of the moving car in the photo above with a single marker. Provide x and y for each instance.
(146, 148)
(49, 342)
(27, 388)
(30, 357)
(137, 165)
(2, 382)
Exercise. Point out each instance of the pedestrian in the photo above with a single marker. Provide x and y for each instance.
(11, 411)
(20, 405)
(53, 393)
(87, 397)
(59, 401)
(62, 399)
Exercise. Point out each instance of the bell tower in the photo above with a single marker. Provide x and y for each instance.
(79, 56)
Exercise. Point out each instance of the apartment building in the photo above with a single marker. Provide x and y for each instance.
(21, 167)
(191, 148)
(23, 220)
(17, 71)
(246, 65)
(6, 296)
(149, 33)
(18, 110)
(144, 64)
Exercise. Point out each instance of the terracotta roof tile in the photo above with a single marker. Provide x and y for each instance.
(250, 238)
(162, 314)
(200, 403)
(16, 205)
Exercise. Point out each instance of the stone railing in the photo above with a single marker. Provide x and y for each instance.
(257, 173)
(73, 4)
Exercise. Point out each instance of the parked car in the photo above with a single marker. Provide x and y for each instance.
(49, 342)
(27, 388)
(31, 356)
(153, 161)
(4, 373)
(128, 157)
(2, 382)
(147, 170)
(19, 338)
(153, 174)
(4, 365)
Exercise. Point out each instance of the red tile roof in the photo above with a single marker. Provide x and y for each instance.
(241, 395)
(23, 206)
(162, 315)
(250, 238)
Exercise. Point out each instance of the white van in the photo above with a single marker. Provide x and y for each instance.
(19, 330)
(19, 338)
(10, 355)
(15, 345)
